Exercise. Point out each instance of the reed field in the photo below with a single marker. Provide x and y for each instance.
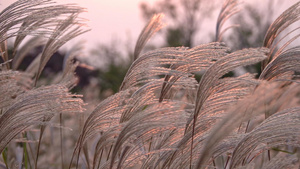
(162, 116)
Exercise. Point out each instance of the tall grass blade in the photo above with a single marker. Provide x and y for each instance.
(4, 52)
(61, 141)
(4, 156)
(25, 153)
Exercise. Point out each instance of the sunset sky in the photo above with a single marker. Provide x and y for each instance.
(121, 20)
(109, 19)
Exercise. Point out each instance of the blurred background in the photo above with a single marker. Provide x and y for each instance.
(115, 26)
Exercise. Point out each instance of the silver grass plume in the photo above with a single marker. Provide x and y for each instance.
(282, 128)
(247, 108)
(65, 31)
(25, 49)
(50, 25)
(185, 61)
(149, 66)
(287, 18)
(12, 84)
(285, 64)
(44, 18)
(144, 128)
(68, 76)
(221, 67)
(162, 118)
(282, 161)
(197, 59)
(104, 117)
(227, 92)
(154, 25)
(32, 15)
(36, 107)
(229, 9)
(34, 65)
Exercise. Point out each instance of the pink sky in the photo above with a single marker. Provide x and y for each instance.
(111, 19)
(121, 20)
(108, 19)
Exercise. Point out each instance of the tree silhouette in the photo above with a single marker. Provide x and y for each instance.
(185, 18)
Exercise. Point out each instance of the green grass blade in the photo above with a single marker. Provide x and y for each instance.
(25, 152)
(4, 156)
